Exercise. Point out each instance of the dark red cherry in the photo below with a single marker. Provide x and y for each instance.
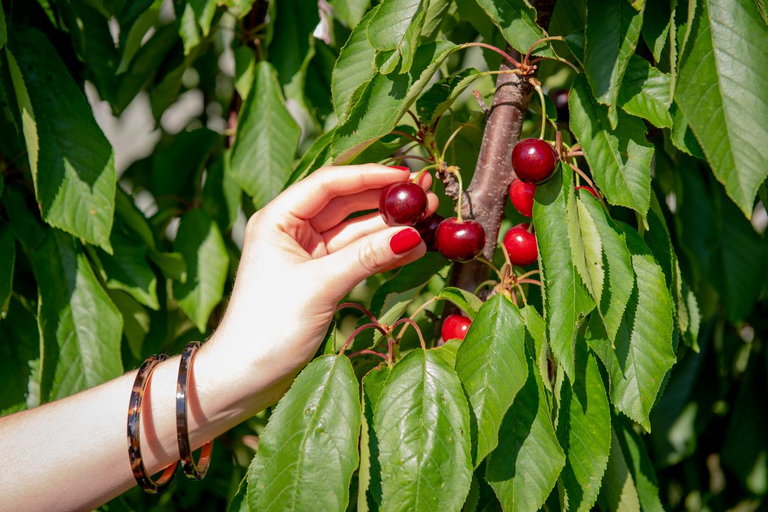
(534, 160)
(588, 189)
(521, 195)
(460, 241)
(455, 326)
(560, 99)
(427, 229)
(521, 245)
(403, 204)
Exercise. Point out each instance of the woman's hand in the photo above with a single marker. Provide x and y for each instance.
(301, 256)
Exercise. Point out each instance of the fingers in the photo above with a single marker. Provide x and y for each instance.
(344, 269)
(342, 207)
(350, 231)
(308, 197)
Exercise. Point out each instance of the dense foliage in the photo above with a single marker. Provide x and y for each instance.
(631, 374)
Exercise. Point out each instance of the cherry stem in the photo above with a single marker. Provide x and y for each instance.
(564, 61)
(405, 157)
(529, 273)
(572, 154)
(407, 136)
(484, 261)
(506, 257)
(455, 171)
(419, 310)
(527, 57)
(582, 174)
(501, 52)
(530, 281)
(408, 322)
(355, 305)
(358, 331)
(537, 86)
(453, 136)
(415, 119)
(530, 227)
(390, 349)
(422, 171)
(368, 352)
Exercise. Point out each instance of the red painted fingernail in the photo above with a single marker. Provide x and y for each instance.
(400, 167)
(404, 241)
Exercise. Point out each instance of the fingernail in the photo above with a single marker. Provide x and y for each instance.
(400, 167)
(404, 241)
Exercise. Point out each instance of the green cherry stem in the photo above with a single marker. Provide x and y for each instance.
(422, 171)
(455, 171)
(537, 86)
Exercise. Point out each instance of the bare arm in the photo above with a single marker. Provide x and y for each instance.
(299, 259)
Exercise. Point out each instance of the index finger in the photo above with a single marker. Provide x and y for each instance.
(308, 197)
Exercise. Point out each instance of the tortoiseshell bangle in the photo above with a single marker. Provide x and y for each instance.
(134, 427)
(192, 470)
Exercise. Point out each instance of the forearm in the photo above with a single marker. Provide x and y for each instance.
(78, 446)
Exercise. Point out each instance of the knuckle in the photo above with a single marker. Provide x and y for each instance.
(370, 259)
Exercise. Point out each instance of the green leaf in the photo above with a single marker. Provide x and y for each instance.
(682, 136)
(29, 231)
(308, 451)
(199, 241)
(19, 345)
(724, 94)
(643, 350)
(645, 92)
(314, 158)
(438, 99)
(448, 351)
(384, 100)
(466, 301)
(136, 321)
(351, 12)
(620, 159)
(72, 163)
(266, 139)
(396, 25)
(129, 271)
(221, 194)
(586, 247)
(618, 491)
(430, 467)
(524, 468)
(79, 324)
(436, 14)
(8, 257)
(613, 29)
(517, 21)
(176, 168)
(130, 41)
(3, 29)
(293, 45)
(566, 300)
(618, 277)
(369, 488)
(492, 367)
(584, 431)
(195, 17)
(658, 18)
(239, 502)
(640, 465)
(354, 68)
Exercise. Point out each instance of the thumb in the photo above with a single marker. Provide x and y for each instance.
(391, 247)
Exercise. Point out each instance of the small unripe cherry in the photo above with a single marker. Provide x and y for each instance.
(588, 189)
(403, 204)
(534, 160)
(521, 245)
(455, 326)
(521, 196)
(460, 240)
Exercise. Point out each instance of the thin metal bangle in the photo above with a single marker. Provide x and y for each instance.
(134, 428)
(192, 470)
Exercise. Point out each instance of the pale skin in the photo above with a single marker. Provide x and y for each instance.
(301, 256)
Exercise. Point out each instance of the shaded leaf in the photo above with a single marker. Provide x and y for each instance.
(438, 99)
(466, 301)
(8, 257)
(396, 25)
(369, 487)
(19, 345)
(517, 21)
(128, 270)
(640, 465)
(645, 92)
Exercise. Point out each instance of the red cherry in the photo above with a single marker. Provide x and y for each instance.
(588, 189)
(521, 245)
(455, 326)
(460, 241)
(402, 204)
(560, 99)
(521, 195)
(534, 160)
(427, 229)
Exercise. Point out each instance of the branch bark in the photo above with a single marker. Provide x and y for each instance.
(486, 195)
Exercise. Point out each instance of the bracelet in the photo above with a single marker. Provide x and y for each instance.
(192, 470)
(134, 428)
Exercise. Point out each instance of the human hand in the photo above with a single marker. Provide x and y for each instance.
(302, 255)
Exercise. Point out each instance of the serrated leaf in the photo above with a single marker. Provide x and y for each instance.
(396, 25)
(314, 158)
(79, 324)
(354, 68)
(8, 257)
(584, 431)
(127, 270)
(19, 345)
(293, 45)
(640, 466)
(200, 243)
(492, 367)
(384, 100)
(586, 247)
(643, 350)
(72, 163)
(422, 424)
(682, 136)
(308, 451)
(195, 17)
(466, 301)
(537, 330)
(524, 468)
(612, 32)
(130, 40)
(620, 159)
(439, 98)
(221, 194)
(616, 261)
(618, 492)
(448, 351)
(657, 21)
(645, 92)
(369, 487)
(239, 502)
(351, 12)
(724, 94)
(517, 21)
(266, 140)
(436, 14)
(566, 300)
